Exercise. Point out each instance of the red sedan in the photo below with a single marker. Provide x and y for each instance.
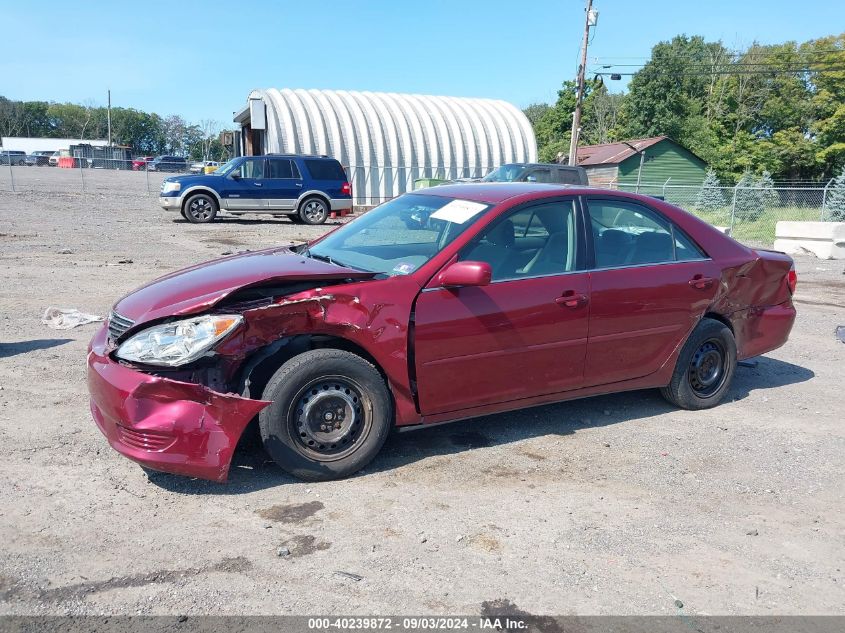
(442, 304)
(141, 162)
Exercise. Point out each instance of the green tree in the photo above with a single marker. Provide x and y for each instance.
(836, 198)
(535, 112)
(749, 198)
(711, 196)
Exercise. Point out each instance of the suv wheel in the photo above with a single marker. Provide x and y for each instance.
(200, 208)
(313, 211)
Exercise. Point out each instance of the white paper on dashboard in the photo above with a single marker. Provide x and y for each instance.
(458, 211)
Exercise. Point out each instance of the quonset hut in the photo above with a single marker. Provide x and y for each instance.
(386, 141)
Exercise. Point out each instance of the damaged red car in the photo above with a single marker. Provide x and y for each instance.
(443, 304)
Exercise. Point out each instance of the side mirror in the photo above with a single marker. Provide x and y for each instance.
(235, 175)
(466, 274)
(531, 179)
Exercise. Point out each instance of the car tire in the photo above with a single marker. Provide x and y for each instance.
(313, 210)
(330, 414)
(705, 367)
(200, 208)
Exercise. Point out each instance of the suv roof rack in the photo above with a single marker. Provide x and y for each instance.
(298, 155)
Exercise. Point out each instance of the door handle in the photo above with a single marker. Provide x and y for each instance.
(571, 299)
(700, 282)
(299, 184)
(257, 184)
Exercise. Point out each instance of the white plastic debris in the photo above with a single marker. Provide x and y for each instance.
(67, 318)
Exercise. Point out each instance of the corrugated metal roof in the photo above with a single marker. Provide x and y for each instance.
(614, 153)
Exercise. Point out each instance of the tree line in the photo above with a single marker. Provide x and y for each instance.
(768, 108)
(145, 133)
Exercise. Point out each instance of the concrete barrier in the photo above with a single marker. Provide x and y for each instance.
(825, 240)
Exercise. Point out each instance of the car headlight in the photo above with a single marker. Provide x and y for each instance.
(167, 187)
(178, 343)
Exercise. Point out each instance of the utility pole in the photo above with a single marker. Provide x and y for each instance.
(108, 117)
(590, 18)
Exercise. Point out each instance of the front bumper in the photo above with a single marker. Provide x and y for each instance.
(170, 203)
(167, 425)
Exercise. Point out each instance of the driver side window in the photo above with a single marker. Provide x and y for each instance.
(534, 241)
(252, 168)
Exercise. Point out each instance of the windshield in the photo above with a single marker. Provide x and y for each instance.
(399, 236)
(226, 168)
(505, 173)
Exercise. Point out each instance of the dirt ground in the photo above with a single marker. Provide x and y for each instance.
(611, 505)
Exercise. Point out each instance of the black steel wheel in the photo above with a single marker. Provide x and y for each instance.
(708, 368)
(200, 208)
(330, 413)
(705, 367)
(313, 211)
(329, 416)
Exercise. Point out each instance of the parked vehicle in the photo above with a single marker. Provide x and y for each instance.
(538, 172)
(305, 188)
(38, 159)
(140, 163)
(168, 163)
(504, 296)
(53, 161)
(13, 157)
(204, 167)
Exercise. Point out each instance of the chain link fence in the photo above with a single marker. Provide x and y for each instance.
(751, 213)
(108, 176)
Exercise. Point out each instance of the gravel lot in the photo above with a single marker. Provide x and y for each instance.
(611, 505)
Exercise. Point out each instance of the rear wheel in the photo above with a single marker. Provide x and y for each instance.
(330, 414)
(313, 211)
(200, 208)
(705, 367)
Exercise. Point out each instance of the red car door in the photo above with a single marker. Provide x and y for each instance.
(650, 286)
(524, 334)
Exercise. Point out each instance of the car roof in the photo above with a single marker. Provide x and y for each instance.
(496, 192)
(316, 156)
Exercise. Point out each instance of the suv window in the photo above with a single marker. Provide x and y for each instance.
(538, 175)
(325, 169)
(629, 234)
(282, 168)
(568, 176)
(251, 168)
(535, 240)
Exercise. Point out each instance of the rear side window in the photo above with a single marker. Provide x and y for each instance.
(325, 170)
(568, 176)
(629, 234)
(282, 168)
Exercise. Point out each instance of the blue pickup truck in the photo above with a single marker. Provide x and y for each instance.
(305, 188)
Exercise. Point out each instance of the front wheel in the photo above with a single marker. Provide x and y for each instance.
(330, 414)
(705, 367)
(313, 211)
(200, 208)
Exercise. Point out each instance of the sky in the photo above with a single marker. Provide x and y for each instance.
(201, 59)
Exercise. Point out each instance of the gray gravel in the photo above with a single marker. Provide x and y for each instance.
(611, 505)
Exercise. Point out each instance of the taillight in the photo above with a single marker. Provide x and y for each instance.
(346, 189)
(792, 280)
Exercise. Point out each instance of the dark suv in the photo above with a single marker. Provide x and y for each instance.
(538, 172)
(307, 189)
(168, 163)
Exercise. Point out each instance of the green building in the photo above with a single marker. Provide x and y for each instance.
(651, 161)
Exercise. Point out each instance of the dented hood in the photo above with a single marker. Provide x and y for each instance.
(199, 287)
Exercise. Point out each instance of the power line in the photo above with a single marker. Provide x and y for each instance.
(722, 72)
